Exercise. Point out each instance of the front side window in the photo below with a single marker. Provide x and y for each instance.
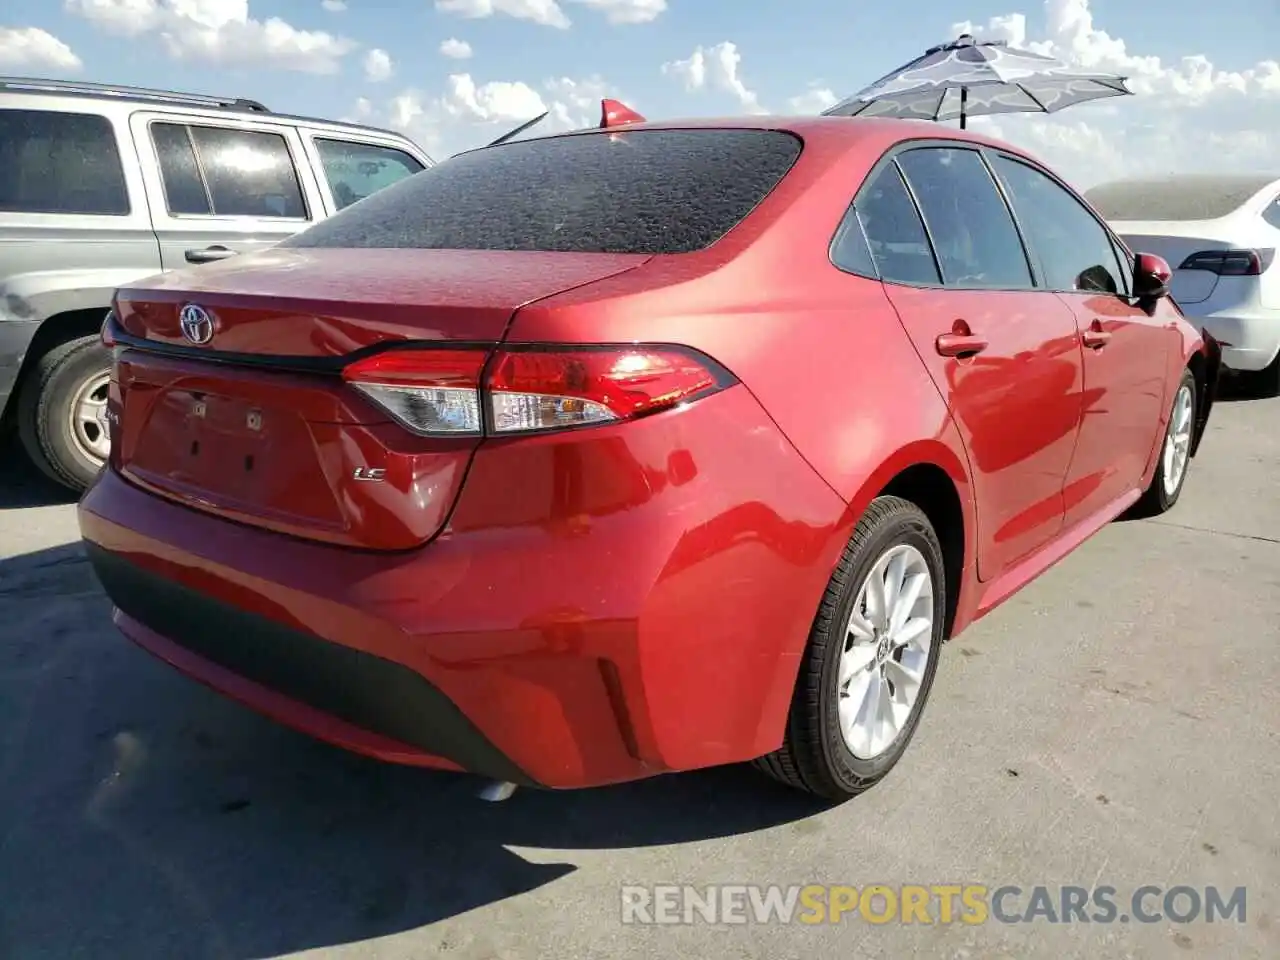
(899, 244)
(1074, 250)
(638, 191)
(227, 173)
(973, 233)
(358, 170)
(60, 163)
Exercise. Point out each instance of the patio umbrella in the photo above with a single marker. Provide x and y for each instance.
(969, 78)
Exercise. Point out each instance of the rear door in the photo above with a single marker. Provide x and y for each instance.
(1125, 349)
(355, 166)
(218, 187)
(1003, 354)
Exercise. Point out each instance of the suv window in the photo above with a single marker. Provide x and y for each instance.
(639, 191)
(227, 173)
(973, 233)
(60, 163)
(1272, 213)
(1074, 250)
(358, 170)
(184, 188)
(899, 244)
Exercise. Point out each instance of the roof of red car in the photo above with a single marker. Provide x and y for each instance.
(880, 131)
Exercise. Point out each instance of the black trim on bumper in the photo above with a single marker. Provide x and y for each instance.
(370, 692)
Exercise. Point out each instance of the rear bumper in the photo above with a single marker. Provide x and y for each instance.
(348, 696)
(1250, 340)
(636, 603)
(15, 340)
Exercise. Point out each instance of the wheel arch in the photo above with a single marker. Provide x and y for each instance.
(1204, 360)
(54, 331)
(932, 475)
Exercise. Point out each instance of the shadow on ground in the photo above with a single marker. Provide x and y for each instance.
(21, 484)
(143, 816)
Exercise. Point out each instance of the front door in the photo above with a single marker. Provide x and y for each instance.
(220, 187)
(1004, 355)
(1125, 349)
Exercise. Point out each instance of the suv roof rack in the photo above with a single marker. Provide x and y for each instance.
(129, 93)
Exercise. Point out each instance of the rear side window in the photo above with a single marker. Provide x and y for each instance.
(642, 191)
(899, 244)
(1074, 250)
(1272, 213)
(60, 163)
(223, 172)
(973, 233)
(849, 250)
(358, 170)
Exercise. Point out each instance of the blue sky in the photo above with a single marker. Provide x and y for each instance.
(672, 57)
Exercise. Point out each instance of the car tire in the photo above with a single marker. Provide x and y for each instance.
(816, 755)
(48, 405)
(1160, 496)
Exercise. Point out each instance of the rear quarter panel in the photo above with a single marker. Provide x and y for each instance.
(822, 351)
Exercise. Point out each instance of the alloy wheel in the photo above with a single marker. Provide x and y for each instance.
(886, 650)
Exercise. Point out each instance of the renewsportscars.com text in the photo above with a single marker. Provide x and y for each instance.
(928, 904)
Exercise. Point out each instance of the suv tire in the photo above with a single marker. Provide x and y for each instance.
(47, 413)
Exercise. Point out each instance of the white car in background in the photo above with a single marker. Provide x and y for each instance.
(1220, 233)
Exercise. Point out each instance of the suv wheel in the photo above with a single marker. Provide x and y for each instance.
(62, 412)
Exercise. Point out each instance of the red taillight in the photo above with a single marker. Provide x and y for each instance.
(1230, 263)
(546, 389)
(445, 393)
(430, 392)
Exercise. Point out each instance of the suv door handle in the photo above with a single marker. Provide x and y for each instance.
(960, 342)
(209, 254)
(1095, 338)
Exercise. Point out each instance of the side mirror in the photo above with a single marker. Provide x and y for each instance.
(1151, 276)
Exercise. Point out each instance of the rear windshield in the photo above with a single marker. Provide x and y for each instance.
(643, 191)
(1175, 198)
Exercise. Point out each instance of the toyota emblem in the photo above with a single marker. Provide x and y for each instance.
(196, 323)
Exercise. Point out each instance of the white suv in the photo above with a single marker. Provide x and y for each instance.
(1220, 233)
(102, 185)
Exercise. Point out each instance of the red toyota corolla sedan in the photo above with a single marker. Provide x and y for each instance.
(634, 450)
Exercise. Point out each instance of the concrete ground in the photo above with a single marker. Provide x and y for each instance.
(1115, 724)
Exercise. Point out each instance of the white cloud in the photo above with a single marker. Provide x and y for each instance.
(377, 66)
(217, 32)
(627, 11)
(470, 113)
(30, 47)
(550, 13)
(334, 6)
(814, 100)
(1188, 114)
(456, 49)
(546, 12)
(717, 68)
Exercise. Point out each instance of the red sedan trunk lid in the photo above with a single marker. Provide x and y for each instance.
(256, 425)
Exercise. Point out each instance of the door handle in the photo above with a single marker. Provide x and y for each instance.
(1095, 338)
(209, 254)
(960, 343)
